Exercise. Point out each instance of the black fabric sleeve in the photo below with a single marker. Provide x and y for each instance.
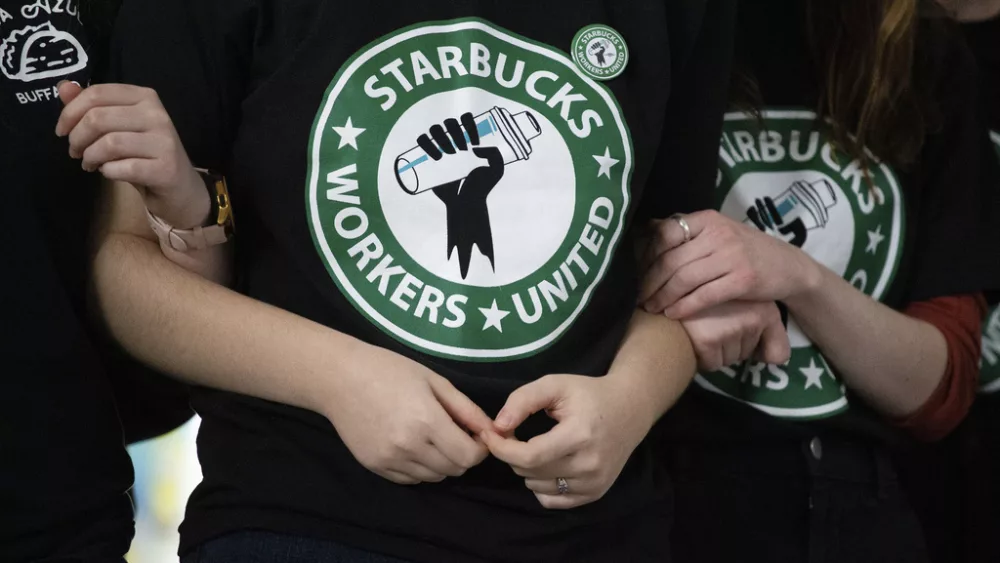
(954, 252)
(687, 163)
(196, 54)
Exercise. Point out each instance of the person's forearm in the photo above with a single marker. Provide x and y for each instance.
(655, 363)
(893, 361)
(208, 335)
(213, 263)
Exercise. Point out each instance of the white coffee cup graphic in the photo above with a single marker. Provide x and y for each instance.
(809, 202)
(510, 133)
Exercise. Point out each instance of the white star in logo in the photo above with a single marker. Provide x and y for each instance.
(348, 134)
(606, 163)
(875, 238)
(813, 374)
(494, 316)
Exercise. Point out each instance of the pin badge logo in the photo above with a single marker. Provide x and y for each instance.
(600, 52)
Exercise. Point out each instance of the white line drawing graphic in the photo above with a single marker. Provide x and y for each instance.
(38, 52)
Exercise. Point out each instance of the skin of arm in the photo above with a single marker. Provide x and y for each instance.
(654, 364)
(155, 307)
(894, 361)
(863, 337)
(399, 419)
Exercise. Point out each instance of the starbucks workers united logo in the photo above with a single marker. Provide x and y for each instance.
(788, 180)
(467, 188)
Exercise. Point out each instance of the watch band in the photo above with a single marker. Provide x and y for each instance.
(184, 240)
(217, 232)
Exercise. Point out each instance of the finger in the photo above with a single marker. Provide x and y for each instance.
(668, 233)
(562, 502)
(730, 351)
(97, 96)
(460, 448)
(721, 290)
(686, 280)
(551, 471)
(432, 458)
(469, 124)
(68, 91)
(442, 140)
(774, 347)
(659, 272)
(709, 357)
(551, 486)
(459, 407)
(101, 121)
(420, 472)
(456, 134)
(494, 158)
(537, 452)
(397, 477)
(121, 146)
(748, 344)
(136, 171)
(528, 399)
(429, 148)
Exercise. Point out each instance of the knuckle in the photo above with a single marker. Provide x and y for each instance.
(93, 118)
(401, 439)
(115, 143)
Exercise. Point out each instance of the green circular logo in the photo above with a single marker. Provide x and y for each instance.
(786, 179)
(467, 188)
(600, 52)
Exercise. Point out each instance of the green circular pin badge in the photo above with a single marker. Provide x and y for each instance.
(600, 52)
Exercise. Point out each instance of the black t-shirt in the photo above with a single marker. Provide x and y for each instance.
(911, 234)
(984, 40)
(493, 266)
(63, 466)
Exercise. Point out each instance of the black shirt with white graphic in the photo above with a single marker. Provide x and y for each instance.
(908, 236)
(442, 180)
(63, 465)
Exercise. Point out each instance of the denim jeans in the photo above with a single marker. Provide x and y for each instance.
(267, 547)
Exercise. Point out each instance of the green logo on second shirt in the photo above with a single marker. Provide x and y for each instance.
(787, 180)
(467, 188)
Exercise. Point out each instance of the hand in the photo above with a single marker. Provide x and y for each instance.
(596, 433)
(468, 217)
(125, 132)
(404, 422)
(735, 331)
(724, 261)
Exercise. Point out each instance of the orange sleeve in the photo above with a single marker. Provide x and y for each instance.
(959, 318)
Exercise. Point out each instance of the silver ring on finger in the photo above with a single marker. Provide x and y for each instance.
(684, 226)
(562, 486)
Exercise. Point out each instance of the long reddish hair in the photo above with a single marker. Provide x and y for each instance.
(865, 53)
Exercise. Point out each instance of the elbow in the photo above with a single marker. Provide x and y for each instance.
(955, 393)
